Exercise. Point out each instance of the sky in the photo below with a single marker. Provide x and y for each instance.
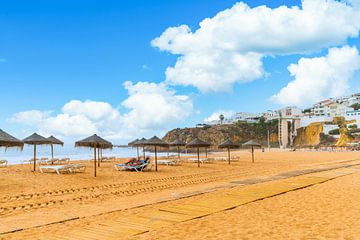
(133, 68)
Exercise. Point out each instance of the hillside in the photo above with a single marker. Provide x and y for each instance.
(238, 132)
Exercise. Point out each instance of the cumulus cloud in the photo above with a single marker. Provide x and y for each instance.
(215, 116)
(320, 77)
(228, 48)
(150, 108)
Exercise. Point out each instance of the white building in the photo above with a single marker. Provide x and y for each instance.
(290, 112)
(270, 115)
(245, 117)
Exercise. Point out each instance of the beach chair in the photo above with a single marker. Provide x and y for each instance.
(63, 161)
(138, 166)
(172, 162)
(76, 167)
(56, 168)
(3, 163)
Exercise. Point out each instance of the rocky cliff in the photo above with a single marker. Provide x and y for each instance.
(239, 133)
(308, 136)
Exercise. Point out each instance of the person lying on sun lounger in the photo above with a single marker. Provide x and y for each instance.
(133, 164)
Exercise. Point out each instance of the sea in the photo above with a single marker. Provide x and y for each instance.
(16, 156)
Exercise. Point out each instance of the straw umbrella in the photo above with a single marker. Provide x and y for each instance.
(54, 141)
(7, 141)
(35, 139)
(178, 143)
(133, 144)
(141, 143)
(229, 144)
(198, 143)
(252, 144)
(94, 141)
(156, 142)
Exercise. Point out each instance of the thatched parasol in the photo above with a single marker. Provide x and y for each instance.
(6, 140)
(141, 143)
(54, 141)
(198, 143)
(229, 145)
(178, 143)
(155, 142)
(133, 144)
(35, 139)
(252, 144)
(94, 141)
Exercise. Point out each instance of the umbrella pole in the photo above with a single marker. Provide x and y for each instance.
(252, 153)
(34, 157)
(94, 160)
(137, 150)
(144, 152)
(98, 160)
(198, 153)
(178, 152)
(205, 152)
(52, 152)
(155, 159)
(229, 154)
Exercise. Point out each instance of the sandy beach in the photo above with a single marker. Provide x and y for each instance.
(36, 205)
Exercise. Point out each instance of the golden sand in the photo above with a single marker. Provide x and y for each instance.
(30, 201)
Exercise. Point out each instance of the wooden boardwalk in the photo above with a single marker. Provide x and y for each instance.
(170, 214)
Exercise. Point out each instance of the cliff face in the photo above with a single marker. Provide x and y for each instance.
(309, 136)
(215, 135)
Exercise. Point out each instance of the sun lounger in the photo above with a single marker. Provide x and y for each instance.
(57, 168)
(221, 158)
(173, 162)
(76, 167)
(3, 163)
(63, 161)
(138, 167)
(202, 160)
(46, 161)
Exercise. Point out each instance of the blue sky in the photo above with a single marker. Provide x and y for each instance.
(52, 52)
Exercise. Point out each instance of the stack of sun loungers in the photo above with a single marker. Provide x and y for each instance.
(135, 165)
(112, 158)
(46, 161)
(202, 160)
(3, 163)
(172, 162)
(68, 168)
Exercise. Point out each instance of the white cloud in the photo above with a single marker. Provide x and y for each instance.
(3, 60)
(215, 116)
(229, 47)
(320, 77)
(151, 105)
(151, 109)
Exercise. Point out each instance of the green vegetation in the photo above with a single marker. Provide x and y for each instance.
(308, 110)
(334, 132)
(260, 128)
(356, 106)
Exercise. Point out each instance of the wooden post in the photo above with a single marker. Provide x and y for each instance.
(155, 158)
(94, 160)
(98, 160)
(52, 153)
(137, 150)
(144, 152)
(34, 157)
(252, 153)
(198, 153)
(229, 154)
(178, 147)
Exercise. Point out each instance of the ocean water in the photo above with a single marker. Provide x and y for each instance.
(16, 156)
